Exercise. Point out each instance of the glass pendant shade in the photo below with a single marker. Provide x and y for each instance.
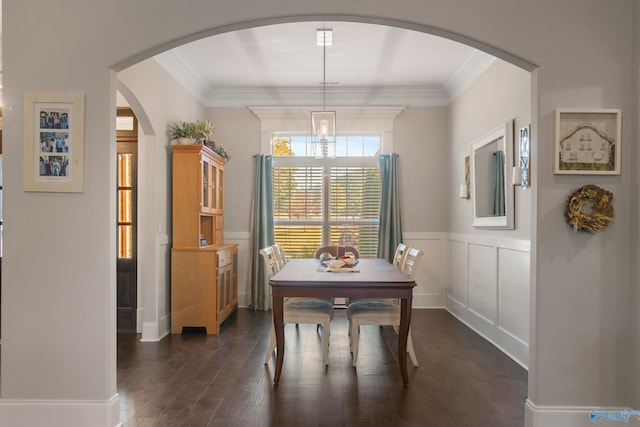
(323, 133)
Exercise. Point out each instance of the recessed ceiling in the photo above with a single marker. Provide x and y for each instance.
(281, 64)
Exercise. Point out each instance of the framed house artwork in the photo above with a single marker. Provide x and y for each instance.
(53, 147)
(588, 142)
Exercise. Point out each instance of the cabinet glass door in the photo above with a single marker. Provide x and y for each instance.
(206, 197)
(214, 187)
(220, 192)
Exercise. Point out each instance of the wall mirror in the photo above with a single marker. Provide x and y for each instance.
(491, 170)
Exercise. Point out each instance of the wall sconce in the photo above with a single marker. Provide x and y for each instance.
(463, 192)
(516, 176)
(522, 174)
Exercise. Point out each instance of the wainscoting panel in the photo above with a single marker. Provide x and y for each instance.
(242, 239)
(488, 289)
(458, 273)
(431, 274)
(483, 286)
(513, 298)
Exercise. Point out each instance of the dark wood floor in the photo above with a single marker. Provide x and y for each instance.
(199, 380)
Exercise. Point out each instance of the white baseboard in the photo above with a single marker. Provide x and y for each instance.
(154, 332)
(427, 301)
(60, 413)
(574, 416)
(509, 345)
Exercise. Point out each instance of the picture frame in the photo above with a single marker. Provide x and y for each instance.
(53, 146)
(588, 141)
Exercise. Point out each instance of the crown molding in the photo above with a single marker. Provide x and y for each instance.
(346, 113)
(476, 63)
(346, 96)
(426, 96)
(180, 69)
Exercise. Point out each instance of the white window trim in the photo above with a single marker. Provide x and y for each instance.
(348, 120)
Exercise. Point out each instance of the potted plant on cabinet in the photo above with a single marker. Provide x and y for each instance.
(204, 130)
(183, 132)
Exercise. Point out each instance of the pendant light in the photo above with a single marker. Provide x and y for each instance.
(323, 123)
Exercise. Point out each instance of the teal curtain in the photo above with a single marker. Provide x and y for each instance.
(262, 233)
(498, 184)
(390, 231)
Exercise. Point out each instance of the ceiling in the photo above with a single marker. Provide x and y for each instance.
(282, 65)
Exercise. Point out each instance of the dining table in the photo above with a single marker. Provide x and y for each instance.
(369, 278)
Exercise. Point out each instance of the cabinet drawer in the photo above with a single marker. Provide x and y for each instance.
(224, 257)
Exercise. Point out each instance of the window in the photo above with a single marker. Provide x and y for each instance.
(321, 202)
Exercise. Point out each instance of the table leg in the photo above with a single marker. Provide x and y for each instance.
(278, 325)
(403, 333)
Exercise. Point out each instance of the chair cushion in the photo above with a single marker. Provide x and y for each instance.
(374, 313)
(358, 300)
(372, 305)
(309, 302)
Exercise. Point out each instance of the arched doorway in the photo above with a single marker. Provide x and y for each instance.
(424, 29)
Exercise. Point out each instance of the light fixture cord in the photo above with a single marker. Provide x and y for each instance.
(324, 71)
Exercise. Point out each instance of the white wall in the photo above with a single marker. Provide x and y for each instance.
(158, 101)
(238, 130)
(488, 270)
(501, 93)
(581, 284)
(422, 143)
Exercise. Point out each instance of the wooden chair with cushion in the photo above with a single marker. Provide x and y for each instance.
(281, 257)
(299, 310)
(337, 251)
(382, 312)
(398, 262)
(399, 256)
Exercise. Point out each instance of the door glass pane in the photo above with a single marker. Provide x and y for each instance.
(124, 123)
(124, 170)
(124, 241)
(125, 205)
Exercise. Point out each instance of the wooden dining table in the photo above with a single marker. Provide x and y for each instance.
(371, 278)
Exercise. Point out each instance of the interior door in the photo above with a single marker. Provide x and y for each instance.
(126, 265)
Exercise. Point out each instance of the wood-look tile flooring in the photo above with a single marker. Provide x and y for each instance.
(200, 380)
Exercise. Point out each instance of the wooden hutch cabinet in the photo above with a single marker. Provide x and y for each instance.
(204, 269)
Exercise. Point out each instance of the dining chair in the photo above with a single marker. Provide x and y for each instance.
(281, 257)
(399, 256)
(398, 262)
(382, 312)
(316, 311)
(337, 251)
